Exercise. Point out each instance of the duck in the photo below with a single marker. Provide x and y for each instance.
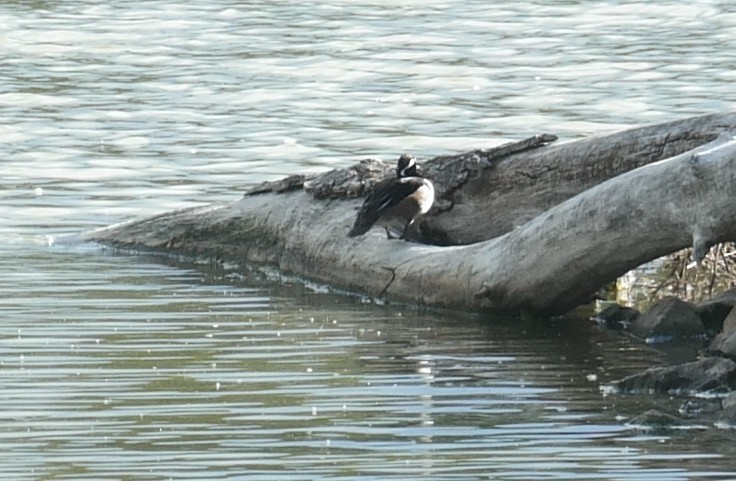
(403, 198)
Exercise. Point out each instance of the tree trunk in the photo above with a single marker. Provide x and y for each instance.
(526, 226)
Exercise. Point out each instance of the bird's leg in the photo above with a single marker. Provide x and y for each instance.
(388, 233)
(406, 229)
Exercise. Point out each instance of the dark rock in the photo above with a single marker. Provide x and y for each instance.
(727, 418)
(690, 408)
(729, 324)
(699, 408)
(670, 318)
(708, 374)
(724, 345)
(655, 420)
(729, 402)
(617, 317)
(713, 311)
(681, 352)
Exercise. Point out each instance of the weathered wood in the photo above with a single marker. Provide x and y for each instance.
(522, 186)
(548, 265)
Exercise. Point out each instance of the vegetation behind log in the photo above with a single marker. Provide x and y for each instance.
(679, 275)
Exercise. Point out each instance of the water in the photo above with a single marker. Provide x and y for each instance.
(125, 366)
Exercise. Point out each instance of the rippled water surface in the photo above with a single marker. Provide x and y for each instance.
(129, 367)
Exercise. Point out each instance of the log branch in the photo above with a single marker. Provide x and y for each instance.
(522, 186)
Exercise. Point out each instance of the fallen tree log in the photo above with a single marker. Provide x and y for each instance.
(586, 212)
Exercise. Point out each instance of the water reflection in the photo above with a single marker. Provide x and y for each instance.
(153, 369)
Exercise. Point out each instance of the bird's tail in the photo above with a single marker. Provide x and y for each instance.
(359, 229)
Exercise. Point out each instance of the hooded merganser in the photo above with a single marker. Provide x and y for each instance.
(403, 198)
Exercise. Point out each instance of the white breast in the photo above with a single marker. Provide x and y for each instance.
(425, 196)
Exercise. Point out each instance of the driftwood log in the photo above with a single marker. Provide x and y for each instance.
(529, 226)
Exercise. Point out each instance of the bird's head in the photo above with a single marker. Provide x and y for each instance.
(407, 166)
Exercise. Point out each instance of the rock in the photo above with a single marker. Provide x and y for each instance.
(727, 418)
(699, 408)
(656, 420)
(729, 324)
(617, 317)
(729, 402)
(671, 318)
(724, 344)
(713, 311)
(691, 408)
(707, 374)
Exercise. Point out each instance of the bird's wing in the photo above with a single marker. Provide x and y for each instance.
(385, 195)
(390, 194)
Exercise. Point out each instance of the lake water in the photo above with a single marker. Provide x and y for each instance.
(122, 366)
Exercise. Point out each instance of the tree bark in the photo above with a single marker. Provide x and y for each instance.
(527, 226)
(517, 188)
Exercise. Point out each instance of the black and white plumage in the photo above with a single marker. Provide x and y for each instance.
(403, 198)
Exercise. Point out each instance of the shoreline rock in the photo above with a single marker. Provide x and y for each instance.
(669, 319)
(680, 322)
(710, 374)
